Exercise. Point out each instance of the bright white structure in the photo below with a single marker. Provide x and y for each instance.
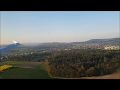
(112, 47)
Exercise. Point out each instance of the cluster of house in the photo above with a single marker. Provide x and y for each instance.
(112, 47)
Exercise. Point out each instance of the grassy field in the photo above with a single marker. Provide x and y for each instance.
(24, 73)
(30, 65)
(13, 63)
(42, 66)
(38, 72)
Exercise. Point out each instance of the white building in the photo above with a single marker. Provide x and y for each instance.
(112, 47)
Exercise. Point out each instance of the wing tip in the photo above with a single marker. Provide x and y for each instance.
(15, 41)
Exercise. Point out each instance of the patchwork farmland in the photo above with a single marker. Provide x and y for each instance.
(25, 70)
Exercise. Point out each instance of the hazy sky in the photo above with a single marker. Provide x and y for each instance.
(57, 26)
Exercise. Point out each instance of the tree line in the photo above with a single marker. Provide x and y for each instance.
(35, 57)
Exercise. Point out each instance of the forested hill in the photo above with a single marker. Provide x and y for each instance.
(110, 40)
(92, 43)
(83, 63)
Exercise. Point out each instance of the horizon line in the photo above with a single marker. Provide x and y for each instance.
(59, 41)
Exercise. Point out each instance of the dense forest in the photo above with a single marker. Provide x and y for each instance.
(83, 63)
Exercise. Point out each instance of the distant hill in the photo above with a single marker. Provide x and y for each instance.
(109, 41)
(30, 44)
(103, 40)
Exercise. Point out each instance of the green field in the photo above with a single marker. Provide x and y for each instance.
(13, 63)
(39, 72)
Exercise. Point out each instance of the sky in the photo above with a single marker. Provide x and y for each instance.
(57, 26)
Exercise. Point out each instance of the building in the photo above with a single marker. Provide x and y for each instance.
(112, 47)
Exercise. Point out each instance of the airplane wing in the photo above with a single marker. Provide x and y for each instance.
(9, 47)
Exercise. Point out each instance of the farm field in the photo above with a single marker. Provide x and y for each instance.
(33, 70)
(30, 65)
(4, 67)
(13, 63)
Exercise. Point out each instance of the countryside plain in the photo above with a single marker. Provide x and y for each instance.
(60, 45)
(77, 60)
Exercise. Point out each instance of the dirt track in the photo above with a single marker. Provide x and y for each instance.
(30, 65)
